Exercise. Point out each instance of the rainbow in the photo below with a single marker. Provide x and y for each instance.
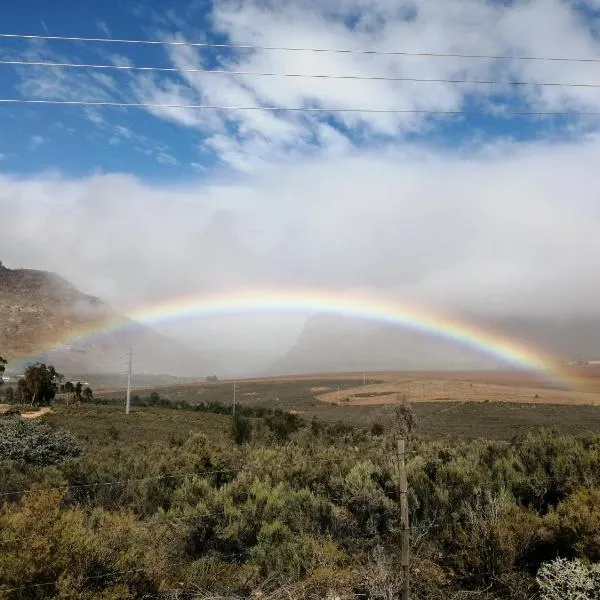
(309, 301)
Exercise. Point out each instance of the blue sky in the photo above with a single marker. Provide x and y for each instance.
(182, 145)
(75, 141)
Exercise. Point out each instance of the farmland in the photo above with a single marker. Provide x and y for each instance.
(494, 405)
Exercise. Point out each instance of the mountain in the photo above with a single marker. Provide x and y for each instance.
(328, 343)
(38, 309)
(575, 338)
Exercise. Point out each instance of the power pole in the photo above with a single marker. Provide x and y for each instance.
(405, 541)
(233, 408)
(128, 400)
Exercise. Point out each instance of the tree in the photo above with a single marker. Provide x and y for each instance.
(88, 395)
(69, 389)
(78, 389)
(2, 368)
(38, 385)
(9, 396)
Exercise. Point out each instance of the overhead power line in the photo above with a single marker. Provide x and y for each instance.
(292, 48)
(306, 109)
(298, 75)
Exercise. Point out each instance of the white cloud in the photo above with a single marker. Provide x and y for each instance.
(514, 229)
(37, 140)
(166, 159)
(458, 27)
(250, 139)
(506, 227)
(101, 25)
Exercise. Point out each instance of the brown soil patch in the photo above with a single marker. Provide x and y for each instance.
(37, 413)
(28, 415)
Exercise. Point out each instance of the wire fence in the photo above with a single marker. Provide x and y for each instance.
(121, 482)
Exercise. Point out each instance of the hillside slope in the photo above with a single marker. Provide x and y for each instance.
(38, 309)
(329, 343)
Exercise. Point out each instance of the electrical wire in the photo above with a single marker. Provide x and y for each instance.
(293, 48)
(306, 109)
(295, 75)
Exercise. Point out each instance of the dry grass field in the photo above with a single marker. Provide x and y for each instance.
(462, 386)
(495, 405)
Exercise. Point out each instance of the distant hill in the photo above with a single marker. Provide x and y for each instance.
(574, 338)
(328, 343)
(38, 308)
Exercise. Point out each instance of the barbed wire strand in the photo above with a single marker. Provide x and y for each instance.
(116, 574)
(107, 40)
(192, 518)
(120, 482)
(306, 109)
(45, 64)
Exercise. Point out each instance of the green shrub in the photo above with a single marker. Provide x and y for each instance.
(577, 524)
(241, 429)
(565, 580)
(35, 443)
(283, 424)
(377, 429)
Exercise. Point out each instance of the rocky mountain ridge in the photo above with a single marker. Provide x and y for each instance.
(39, 309)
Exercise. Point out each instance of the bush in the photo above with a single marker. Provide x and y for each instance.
(283, 424)
(577, 523)
(34, 443)
(241, 429)
(565, 580)
(377, 429)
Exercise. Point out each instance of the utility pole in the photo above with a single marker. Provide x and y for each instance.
(233, 408)
(128, 400)
(405, 542)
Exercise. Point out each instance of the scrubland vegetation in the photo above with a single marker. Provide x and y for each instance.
(194, 503)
